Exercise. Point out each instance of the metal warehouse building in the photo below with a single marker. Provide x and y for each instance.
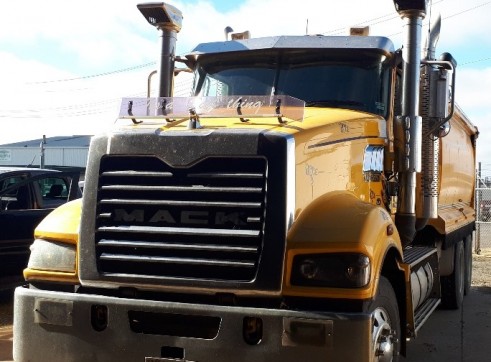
(62, 152)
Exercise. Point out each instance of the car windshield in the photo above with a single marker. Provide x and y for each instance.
(320, 79)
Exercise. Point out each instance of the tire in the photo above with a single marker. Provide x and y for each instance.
(452, 286)
(468, 264)
(386, 324)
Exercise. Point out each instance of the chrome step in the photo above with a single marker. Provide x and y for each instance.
(414, 255)
(424, 311)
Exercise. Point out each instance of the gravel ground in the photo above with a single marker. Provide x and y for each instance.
(6, 319)
(481, 269)
(6, 308)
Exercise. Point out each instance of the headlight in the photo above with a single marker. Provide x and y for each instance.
(338, 270)
(52, 256)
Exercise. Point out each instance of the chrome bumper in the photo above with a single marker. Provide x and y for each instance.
(56, 326)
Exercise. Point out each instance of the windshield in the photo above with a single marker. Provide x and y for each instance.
(320, 79)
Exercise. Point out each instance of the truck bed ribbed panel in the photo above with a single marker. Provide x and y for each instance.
(205, 221)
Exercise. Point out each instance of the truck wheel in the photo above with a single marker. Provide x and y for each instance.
(452, 286)
(468, 264)
(386, 331)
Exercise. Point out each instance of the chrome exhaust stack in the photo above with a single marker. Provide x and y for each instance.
(408, 125)
(430, 175)
(168, 20)
(432, 39)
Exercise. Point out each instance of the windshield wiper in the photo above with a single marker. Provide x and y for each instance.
(335, 103)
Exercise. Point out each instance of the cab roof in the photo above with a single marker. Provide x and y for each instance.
(375, 44)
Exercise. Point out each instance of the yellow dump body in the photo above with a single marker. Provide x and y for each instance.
(457, 175)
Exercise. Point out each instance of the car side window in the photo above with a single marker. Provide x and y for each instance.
(54, 191)
(9, 182)
(13, 198)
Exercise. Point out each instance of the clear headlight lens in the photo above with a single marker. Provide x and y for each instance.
(52, 256)
(337, 270)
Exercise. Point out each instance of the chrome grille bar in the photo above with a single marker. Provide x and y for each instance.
(204, 221)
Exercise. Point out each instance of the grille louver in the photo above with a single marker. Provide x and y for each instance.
(201, 222)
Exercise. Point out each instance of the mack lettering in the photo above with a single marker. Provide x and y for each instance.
(186, 217)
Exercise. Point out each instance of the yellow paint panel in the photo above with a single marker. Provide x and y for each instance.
(62, 224)
(313, 119)
(453, 217)
(32, 275)
(330, 158)
(457, 175)
(340, 222)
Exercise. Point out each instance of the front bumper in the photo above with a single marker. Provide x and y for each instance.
(57, 326)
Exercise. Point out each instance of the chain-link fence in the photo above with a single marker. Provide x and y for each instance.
(483, 219)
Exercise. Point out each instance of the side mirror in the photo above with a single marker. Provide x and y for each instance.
(441, 92)
(444, 129)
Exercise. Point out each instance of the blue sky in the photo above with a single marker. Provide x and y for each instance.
(223, 5)
(66, 63)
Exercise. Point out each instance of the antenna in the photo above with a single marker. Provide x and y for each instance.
(307, 27)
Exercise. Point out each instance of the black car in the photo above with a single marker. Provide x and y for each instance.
(27, 195)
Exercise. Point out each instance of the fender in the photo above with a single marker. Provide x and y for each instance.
(340, 222)
(61, 225)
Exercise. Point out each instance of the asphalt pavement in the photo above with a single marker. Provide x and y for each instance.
(456, 335)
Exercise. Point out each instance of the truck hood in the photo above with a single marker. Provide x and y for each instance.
(283, 114)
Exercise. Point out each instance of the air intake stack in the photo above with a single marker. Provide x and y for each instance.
(168, 20)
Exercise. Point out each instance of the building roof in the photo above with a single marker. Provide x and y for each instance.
(54, 142)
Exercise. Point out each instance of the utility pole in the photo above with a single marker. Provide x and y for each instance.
(477, 246)
(479, 174)
(43, 142)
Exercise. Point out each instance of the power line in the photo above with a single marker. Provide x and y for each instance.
(374, 21)
(339, 30)
(97, 75)
(467, 10)
(476, 61)
(100, 106)
(82, 109)
(456, 14)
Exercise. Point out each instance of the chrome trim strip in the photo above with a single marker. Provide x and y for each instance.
(290, 182)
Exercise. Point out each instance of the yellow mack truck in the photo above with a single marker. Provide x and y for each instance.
(312, 199)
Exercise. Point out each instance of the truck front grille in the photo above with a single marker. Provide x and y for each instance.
(205, 221)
